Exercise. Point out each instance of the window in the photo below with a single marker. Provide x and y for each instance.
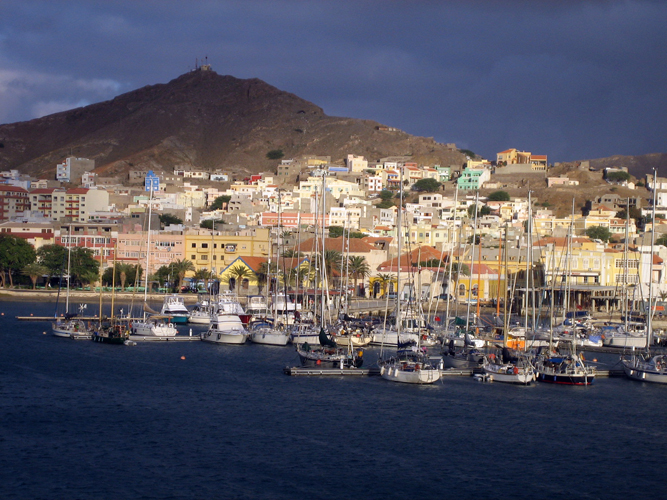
(204, 245)
(194, 245)
(193, 257)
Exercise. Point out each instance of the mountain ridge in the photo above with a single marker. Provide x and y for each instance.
(202, 120)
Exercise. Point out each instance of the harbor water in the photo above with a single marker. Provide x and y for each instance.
(191, 420)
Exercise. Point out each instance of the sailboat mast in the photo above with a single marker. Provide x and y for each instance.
(148, 242)
(649, 319)
(472, 262)
(399, 222)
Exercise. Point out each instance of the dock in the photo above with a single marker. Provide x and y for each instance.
(298, 371)
(177, 338)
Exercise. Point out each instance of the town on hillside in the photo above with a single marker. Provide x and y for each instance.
(192, 228)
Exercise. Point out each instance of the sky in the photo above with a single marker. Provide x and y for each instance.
(570, 79)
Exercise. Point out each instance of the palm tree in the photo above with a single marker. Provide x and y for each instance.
(262, 275)
(331, 262)
(290, 254)
(384, 280)
(180, 268)
(238, 273)
(204, 275)
(358, 268)
(34, 271)
(123, 271)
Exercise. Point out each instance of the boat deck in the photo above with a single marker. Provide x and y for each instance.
(177, 338)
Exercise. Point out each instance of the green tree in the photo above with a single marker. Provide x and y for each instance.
(54, 258)
(662, 240)
(180, 268)
(386, 204)
(204, 275)
(336, 231)
(275, 154)
(168, 220)
(34, 271)
(599, 233)
(83, 266)
(426, 186)
(467, 152)
(237, 273)
(123, 270)
(385, 195)
(432, 263)
(618, 176)
(209, 223)
(635, 213)
(358, 269)
(499, 196)
(384, 279)
(481, 212)
(15, 254)
(220, 202)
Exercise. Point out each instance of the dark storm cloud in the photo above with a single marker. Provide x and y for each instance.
(573, 79)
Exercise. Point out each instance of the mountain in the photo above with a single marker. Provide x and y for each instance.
(203, 120)
(638, 166)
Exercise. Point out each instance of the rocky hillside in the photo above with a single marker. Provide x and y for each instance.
(203, 120)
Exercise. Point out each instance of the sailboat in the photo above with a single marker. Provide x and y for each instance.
(69, 326)
(648, 367)
(111, 330)
(410, 364)
(510, 366)
(552, 366)
(154, 325)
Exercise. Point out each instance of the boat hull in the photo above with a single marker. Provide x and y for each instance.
(625, 342)
(644, 372)
(268, 338)
(509, 374)
(565, 379)
(224, 337)
(395, 373)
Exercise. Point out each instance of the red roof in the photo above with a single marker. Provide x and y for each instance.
(12, 189)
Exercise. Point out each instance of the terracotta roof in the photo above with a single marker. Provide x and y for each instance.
(13, 189)
(421, 254)
(43, 191)
(506, 151)
(78, 191)
(539, 157)
(357, 245)
(656, 259)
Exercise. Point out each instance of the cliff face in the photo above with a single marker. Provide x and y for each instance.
(203, 120)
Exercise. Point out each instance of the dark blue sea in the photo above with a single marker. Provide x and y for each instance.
(190, 420)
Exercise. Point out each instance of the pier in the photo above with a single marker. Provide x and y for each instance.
(297, 371)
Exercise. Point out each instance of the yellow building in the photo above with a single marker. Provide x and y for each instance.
(216, 251)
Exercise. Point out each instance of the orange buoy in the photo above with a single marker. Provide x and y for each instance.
(182, 357)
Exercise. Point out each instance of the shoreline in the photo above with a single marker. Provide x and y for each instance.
(52, 295)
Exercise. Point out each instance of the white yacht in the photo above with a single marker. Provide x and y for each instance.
(174, 307)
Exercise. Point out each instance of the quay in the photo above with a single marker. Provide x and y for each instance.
(177, 338)
(297, 371)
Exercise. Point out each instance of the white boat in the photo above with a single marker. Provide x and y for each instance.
(409, 366)
(200, 314)
(257, 305)
(282, 304)
(225, 329)
(508, 369)
(153, 326)
(71, 328)
(624, 339)
(174, 307)
(509, 373)
(646, 368)
(302, 333)
(264, 332)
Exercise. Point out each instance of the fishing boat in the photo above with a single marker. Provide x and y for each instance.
(509, 368)
(227, 325)
(301, 333)
(200, 314)
(174, 307)
(72, 328)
